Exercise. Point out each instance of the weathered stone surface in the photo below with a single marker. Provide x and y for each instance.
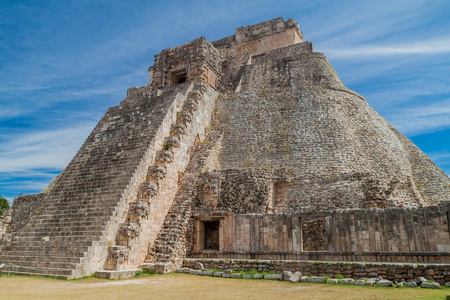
(247, 276)
(350, 281)
(287, 275)
(273, 276)
(218, 274)
(401, 284)
(303, 278)
(296, 277)
(236, 275)
(419, 280)
(315, 279)
(412, 284)
(370, 283)
(430, 285)
(385, 283)
(447, 284)
(333, 281)
(258, 276)
(359, 282)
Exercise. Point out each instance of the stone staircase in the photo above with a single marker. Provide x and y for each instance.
(171, 241)
(73, 228)
(146, 214)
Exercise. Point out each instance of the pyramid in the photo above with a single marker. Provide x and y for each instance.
(246, 147)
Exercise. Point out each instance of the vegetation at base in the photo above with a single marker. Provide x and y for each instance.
(4, 205)
(339, 276)
(147, 272)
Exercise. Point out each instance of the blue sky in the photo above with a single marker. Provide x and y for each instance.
(63, 63)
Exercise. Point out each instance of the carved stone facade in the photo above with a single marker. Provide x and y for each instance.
(246, 147)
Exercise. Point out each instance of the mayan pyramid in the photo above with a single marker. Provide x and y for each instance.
(247, 145)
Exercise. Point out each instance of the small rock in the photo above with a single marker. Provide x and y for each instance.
(303, 278)
(370, 283)
(287, 275)
(412, 284)
(347, 281)
(430, 285)
(273, 276)
(419, 280)
(333, 280)
(257, 276)
(247, 276)
(359, 282)
(315, 279)
(400, 284)
(296, 277)
(385, 283)
(236, 275)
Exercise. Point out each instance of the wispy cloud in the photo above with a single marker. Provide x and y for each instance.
(421, 119)
(435, 46)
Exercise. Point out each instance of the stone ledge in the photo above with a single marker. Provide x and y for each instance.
(105, 274)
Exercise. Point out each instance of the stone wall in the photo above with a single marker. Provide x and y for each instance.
(13, 220)
(415, 229)
(405, 230)
(391, 271)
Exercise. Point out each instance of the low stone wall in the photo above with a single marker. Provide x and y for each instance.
(391, 271)
(395, 257)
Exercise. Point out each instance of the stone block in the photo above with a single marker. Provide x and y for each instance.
(218, 274)
(370, 283)
(303, 278)
(315, 279)
(430, 285)
(226, 275)
(228, 271)
(257, 276)
(447, 284)
(209, 273)
(287, 275)
(296, 277)
(385, 283)
(273, 276)
(400, 284)
(359, 282)
(236, 275)
(333, 281)
(349, 281)
(412, 284)
(419, 280)
(247, 276)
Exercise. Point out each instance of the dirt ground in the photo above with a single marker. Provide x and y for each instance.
(183, 286)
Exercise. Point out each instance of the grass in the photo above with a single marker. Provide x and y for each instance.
(176, 286)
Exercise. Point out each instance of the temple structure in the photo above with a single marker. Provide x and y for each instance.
(249, 147)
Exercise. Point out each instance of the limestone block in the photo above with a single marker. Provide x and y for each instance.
(287, 275)
(400, 284)
(257, 276)
(430, 285)
(225, 275)
(447, 284)
(316, 279)
(385, 283)
(296, 277)
(273, 276)
(236, 275)
(419, 280)
(412, 284)
(218, 274)
(228, 271)
(359, 282)
(303, 278)
(209, 273)
(333, 281)
(370, 283)
(247, 276)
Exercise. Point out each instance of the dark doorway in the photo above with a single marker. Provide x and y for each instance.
(212, 235)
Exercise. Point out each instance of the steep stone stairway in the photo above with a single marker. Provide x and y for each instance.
(146, 214)
(70, 232)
